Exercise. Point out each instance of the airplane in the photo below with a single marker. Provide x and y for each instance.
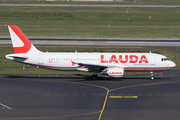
(110, 64)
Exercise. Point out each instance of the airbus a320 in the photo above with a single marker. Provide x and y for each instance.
(111, 64)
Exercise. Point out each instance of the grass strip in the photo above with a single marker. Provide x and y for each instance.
(52, 72)
(92, 22)
(132, 2)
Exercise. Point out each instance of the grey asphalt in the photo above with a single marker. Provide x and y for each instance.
(77, 97)
(89, 5)
(100, 41)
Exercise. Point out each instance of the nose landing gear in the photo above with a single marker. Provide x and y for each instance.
(152, 75)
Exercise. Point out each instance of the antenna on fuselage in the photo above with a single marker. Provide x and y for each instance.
(75, 51)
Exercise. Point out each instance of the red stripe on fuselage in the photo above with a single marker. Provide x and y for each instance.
(148, 68)
(126, 68)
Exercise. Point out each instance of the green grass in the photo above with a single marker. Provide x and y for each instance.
(52, 72)
(88, 22)
(39, 72)
(169, 2)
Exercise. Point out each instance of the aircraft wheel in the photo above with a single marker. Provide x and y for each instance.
(94, 77)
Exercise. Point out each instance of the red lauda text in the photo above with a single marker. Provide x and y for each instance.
(128, 58)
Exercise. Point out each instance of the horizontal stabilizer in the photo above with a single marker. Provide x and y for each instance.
(16, 57)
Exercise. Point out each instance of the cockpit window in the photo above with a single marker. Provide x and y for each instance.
(164, 59)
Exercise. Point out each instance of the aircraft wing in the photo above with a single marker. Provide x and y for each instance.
(94, 67)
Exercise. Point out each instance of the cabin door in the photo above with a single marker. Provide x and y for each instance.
(40, 59)
(152, 61)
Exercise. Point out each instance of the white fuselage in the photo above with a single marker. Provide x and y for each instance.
(64, 61)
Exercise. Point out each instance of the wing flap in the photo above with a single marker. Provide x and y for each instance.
(93, 65)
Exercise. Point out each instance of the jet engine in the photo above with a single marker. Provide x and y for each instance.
(114, 72)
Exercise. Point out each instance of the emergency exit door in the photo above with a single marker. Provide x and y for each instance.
(40, 59)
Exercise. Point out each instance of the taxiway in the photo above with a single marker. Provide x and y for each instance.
(99, 41)
(78, 97)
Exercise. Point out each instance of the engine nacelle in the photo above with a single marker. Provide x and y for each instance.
(114, 72)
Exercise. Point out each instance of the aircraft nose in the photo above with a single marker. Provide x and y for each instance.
(173, 64)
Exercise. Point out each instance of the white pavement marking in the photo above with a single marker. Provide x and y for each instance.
(5, 106)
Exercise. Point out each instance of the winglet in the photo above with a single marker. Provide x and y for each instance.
(20, 42)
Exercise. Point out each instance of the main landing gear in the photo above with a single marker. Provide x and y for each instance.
(152, 75)
(95, 76)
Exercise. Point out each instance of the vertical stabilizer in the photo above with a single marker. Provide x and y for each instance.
(20, 42)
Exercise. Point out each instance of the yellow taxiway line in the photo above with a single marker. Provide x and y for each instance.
(123, 96)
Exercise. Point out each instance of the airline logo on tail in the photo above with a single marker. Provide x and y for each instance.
(20, 42)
